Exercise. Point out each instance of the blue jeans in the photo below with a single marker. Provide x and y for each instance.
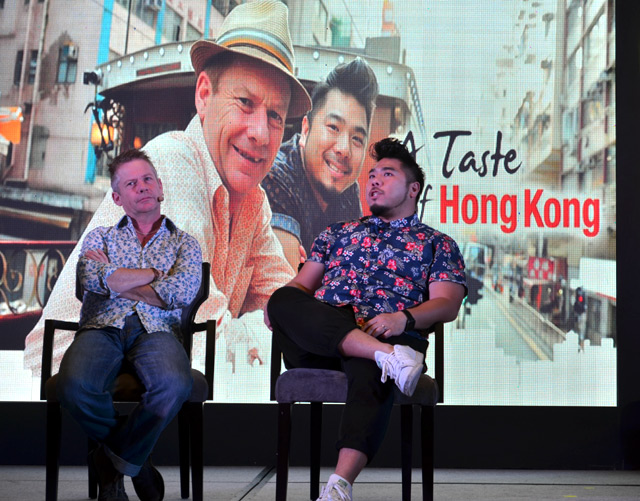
(87, 375)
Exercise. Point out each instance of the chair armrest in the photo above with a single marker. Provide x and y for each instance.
(50, 327)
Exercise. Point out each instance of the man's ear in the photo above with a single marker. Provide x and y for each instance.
(204, 92)
(304, 132)
(116, 198)
(414, 188)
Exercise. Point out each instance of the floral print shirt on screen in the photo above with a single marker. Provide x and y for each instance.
(170, 250)
(378, 267)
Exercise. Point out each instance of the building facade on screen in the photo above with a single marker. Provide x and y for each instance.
(517, 138)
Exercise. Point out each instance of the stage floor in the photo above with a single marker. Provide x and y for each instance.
(27, 483)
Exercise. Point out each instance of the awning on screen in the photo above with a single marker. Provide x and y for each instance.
(11, 123)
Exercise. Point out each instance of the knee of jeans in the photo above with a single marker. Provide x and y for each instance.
(171, 388)
(71, 391)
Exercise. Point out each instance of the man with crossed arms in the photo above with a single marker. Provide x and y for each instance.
(136, 276)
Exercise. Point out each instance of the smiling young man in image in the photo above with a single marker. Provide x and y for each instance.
(360, 301)
(313, 181)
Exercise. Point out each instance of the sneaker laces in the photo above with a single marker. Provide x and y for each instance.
(387, 366)
(334, 492)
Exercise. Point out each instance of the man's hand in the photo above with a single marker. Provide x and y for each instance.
(386, 325)
(293, 250)
(97, 255)
(253, 356)
(158, 274)
(303, 254)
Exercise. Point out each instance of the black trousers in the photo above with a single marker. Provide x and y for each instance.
(309, 332)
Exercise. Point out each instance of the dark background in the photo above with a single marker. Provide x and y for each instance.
(466, 436)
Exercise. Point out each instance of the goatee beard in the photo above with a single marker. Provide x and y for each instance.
(378, 210)
(328, 194)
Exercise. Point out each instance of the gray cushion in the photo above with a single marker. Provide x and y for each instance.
(321, 385)
(311, 385)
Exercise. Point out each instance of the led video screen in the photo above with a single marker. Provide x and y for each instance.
(511, 107)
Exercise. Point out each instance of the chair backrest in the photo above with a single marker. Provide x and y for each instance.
(436, 329)
(188, 317)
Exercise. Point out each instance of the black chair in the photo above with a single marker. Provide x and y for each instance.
(128, 388)
(318, 386)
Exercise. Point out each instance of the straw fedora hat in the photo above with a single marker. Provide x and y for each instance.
(259, 30)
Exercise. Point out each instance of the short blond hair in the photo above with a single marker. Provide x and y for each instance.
(126, 157)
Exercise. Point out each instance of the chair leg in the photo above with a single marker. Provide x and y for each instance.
(315, 432)
(183, 450)
(93, 474)
(427, 433)
(406, 433)
(284, 439)
(196, 414)
(53, 450)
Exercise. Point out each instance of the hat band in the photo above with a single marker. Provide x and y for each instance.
(259, 40)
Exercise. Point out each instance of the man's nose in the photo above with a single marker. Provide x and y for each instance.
(343, 145)
(258, 128)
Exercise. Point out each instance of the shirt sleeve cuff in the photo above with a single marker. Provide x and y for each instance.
(164, 292)
(106, 272)
(286, 223)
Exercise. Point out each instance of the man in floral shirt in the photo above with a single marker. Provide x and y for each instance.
(359, 302)
(136, 277)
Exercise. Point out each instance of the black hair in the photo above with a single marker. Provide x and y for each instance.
(392, 148)
(356, 79)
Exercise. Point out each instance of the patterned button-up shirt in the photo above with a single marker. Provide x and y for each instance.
(170, 250)
(378, 267)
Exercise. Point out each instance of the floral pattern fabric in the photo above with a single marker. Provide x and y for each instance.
(378, 267)
(170, 250)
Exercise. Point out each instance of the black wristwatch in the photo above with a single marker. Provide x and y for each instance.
(411, 322)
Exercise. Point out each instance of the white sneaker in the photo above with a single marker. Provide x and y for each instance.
(337, 489)
(404, 365)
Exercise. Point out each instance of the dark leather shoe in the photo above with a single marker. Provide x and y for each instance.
(110, 480)
(148, 483)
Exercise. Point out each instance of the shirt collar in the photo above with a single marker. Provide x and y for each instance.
(396, 223)
(125, 222)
